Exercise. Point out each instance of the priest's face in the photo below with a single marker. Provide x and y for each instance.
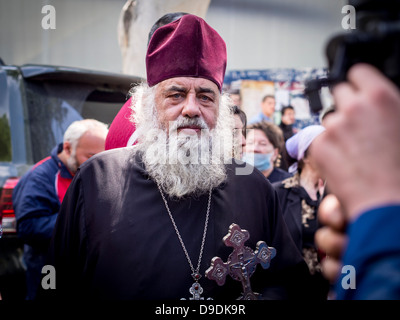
(184, 130)
(190, 98)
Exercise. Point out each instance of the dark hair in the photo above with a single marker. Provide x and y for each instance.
(274, 135)
(165, 19)
(286, 108)
(242, 116)
(272, 131)
(234, 91)
(268, 96)
(300, 163)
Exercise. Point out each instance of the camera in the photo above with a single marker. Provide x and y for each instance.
(376, 41)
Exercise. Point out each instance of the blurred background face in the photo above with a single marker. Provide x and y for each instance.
(288, 117)
(310, 163)
(240, 140)
(268, 106)
(259, 151)
(88, 145)
(237, 101)
(257, 142)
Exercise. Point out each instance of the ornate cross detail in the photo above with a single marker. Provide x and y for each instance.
(196, 289)
(242, 262)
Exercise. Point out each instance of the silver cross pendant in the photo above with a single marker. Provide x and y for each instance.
(196, 289)
(242, 262)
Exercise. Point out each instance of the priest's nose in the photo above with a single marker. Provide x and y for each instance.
(191, 107)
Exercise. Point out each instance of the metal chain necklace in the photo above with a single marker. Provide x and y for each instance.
(196, 290)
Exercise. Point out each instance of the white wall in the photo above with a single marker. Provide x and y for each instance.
(259, 34)
(85, 34)
(263, 34)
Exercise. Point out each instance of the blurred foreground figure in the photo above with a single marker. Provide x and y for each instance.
(359, 154)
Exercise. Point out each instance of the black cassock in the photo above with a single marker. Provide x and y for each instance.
(114, 239)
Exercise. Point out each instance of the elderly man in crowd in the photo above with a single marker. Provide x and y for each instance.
(38, 195)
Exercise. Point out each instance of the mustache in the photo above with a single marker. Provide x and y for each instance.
(187, 122)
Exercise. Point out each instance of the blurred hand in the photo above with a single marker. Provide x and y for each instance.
(359, 154)
(331, 238)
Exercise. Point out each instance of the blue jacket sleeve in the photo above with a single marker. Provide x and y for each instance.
(37, 230)
(374, 252)
(36, 206)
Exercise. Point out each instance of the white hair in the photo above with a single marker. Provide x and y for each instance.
(182, 164)
(77, 129)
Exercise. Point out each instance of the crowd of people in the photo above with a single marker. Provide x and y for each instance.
(144, 219)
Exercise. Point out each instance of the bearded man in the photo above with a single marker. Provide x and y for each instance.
(38, 195)
(144, 222)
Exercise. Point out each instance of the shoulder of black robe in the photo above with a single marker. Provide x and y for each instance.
(114, 239)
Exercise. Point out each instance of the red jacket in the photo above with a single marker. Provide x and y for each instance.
(121, 128)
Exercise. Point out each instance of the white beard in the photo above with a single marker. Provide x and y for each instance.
(72, 162)
(183, 164)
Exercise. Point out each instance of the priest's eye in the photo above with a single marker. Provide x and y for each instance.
(176, 95)
(205, 98)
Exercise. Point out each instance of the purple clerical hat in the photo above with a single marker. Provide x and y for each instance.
(187, 47)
